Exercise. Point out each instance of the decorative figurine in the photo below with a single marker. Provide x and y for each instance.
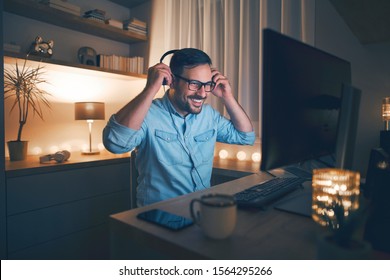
(87, 55)
(42, 48)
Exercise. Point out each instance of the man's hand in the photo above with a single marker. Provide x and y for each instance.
(237, 115)
(156, 76)
(222, 87)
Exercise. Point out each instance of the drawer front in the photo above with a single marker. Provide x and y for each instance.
(90, 244)
(43, 225)
(31, 192)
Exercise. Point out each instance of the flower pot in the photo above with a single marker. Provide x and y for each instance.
(17, 150)
(327, 249)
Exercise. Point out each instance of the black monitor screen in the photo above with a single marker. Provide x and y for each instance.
(302, 88)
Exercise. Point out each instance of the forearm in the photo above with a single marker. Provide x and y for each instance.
(239, 118)
(133, 113)
(237, 114)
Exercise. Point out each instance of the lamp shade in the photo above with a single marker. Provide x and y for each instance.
(334, 191)
(89, 111)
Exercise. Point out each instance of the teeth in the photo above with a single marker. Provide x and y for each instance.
(197, 100)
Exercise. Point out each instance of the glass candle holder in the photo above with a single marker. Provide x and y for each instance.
(335, 195)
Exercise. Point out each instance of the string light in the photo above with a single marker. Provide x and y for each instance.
(223, 154)
(256, 157)
(241, 155)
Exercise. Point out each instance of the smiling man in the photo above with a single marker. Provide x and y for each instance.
(175, 135)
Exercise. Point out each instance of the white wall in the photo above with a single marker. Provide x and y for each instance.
(370, 73)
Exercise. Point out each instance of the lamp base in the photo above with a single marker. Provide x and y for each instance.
(90, 153)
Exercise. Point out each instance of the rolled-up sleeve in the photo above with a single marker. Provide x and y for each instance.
(247, 138)
(118, 138)
(227, 133)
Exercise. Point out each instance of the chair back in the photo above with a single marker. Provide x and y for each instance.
(133, 180)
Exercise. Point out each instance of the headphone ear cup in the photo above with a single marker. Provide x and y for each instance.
(59, 157)
(66, 155)
(165, 82)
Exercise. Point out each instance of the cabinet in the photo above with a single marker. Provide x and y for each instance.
(43, 13)
(62, 211)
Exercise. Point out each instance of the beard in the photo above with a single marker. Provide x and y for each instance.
(191, 104)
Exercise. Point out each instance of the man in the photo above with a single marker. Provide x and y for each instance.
(175, 135)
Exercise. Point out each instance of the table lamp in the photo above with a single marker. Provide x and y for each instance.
(89, 111)
(385, 134)
(334, 190)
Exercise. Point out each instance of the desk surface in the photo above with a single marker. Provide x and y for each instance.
(259, 234)
(31, 165)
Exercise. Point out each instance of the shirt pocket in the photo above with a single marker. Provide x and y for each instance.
(205, 143)
(168, 148)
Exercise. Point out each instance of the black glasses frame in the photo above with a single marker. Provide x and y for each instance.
(197, 85)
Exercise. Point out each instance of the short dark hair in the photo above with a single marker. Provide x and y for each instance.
(188, 58)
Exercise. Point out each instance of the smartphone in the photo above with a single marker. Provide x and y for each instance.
(165, 219)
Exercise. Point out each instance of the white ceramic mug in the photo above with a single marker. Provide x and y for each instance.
(216, 214)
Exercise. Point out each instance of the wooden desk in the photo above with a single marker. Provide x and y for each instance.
(259, 234)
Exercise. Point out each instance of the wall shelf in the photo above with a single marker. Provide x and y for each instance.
(129, 3)
(12, 58)
(50, 15)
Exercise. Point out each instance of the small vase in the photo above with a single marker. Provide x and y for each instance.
(17, 150)
(327, 249)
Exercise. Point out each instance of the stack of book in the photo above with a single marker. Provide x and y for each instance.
(136, 26)
(96, 15)
(121, 63)
(63, 6)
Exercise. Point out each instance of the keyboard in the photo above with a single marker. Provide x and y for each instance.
(264, 193)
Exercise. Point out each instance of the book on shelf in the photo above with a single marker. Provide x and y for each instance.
(135, 30)
(135, 25)
(95, 14)
(135, 21)
(95, 19)
(121, 63)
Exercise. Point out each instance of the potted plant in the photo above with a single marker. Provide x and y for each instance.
(21, 85)
(341, 241)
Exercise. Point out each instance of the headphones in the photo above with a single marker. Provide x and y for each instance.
(59, 157)
(161, 60)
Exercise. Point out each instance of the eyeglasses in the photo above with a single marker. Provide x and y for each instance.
(196, 85)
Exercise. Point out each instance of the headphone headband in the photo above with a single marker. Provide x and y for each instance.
(167, 53)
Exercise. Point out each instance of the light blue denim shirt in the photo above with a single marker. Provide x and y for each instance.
(174, 153)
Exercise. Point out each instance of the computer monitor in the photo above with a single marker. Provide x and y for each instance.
(302, 89)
